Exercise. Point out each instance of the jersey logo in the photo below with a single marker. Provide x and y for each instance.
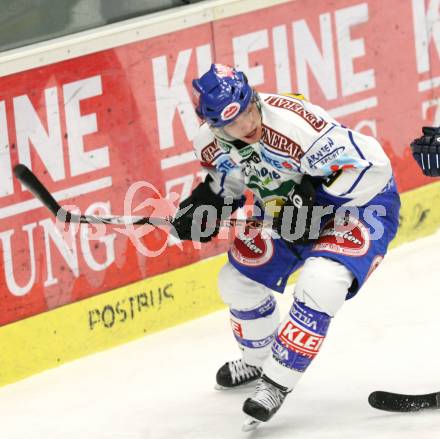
(295, 107)
(324, 153)
(210, 152)
(349, 237)
(252, 251)
(281, 143)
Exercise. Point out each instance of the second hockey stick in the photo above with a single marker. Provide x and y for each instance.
(399, 402)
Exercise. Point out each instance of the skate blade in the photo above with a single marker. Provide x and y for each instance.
(219, 387)
(250, 424)
(241, 386)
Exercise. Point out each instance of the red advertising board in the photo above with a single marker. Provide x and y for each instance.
(93, 126)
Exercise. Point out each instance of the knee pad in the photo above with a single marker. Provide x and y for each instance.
(238, 291)
(323, 285)
(253, 311)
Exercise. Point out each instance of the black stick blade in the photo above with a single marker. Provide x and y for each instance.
(28, 179)
(397, 402)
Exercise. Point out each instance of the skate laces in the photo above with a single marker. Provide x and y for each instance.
(267, 395)
(241, 371)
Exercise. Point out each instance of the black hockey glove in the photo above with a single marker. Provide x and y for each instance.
(198, 215)
(294, 221)
(426, 151)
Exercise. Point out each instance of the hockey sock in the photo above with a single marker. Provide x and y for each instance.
(254, 329)
(297, 342)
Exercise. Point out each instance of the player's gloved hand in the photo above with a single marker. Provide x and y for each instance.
(189, 227)
(294, 221)
(198, 215)
(426, 151)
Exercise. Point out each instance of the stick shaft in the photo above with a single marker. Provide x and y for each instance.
(34, 185)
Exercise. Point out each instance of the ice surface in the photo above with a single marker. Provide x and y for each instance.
(162, 386)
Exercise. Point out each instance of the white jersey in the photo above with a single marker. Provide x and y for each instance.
(298, 138)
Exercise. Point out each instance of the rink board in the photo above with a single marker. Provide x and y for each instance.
(91, 325)
(105, 120)
(72, 331)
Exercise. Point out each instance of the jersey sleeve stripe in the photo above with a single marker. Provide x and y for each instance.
(358, 179)
(350, 135)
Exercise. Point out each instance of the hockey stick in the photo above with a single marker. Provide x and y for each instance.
(31, 182)
(398, 402)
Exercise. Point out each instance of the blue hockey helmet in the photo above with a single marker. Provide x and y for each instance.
(221, 94)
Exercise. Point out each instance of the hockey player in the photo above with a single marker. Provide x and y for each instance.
(426, 151)
(291, 154)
